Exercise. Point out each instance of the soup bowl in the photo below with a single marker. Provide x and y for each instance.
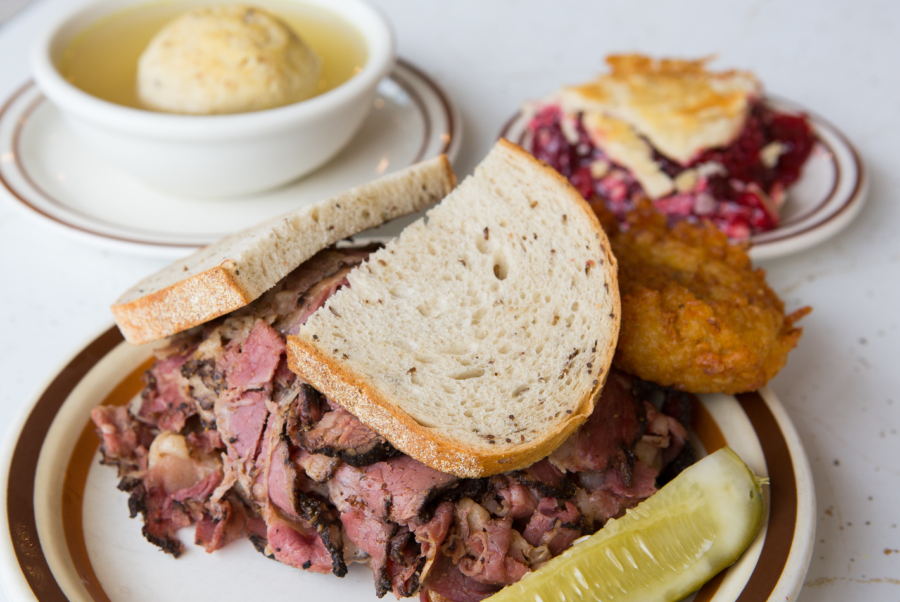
(216, 155)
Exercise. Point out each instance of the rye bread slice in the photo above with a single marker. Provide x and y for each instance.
(231, 273)
(480, 338)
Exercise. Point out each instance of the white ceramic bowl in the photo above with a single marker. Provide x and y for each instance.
(217, 155)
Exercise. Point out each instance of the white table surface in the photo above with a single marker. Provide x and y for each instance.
(838, 59)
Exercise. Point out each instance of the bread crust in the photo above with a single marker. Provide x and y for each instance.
(429, 446)
(330, 374)
(228, 275)
(183, 305)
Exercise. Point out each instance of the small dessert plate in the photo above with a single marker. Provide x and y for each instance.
(50, 174)
(830, 193)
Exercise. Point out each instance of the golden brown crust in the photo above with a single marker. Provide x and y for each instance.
(696, 315)
(429, 446)
(680, 106)
(233, 272)
(176, 307)
(686, 85)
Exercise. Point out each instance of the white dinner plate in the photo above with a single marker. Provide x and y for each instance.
(71, 538)
(49, 173)
(831, 190)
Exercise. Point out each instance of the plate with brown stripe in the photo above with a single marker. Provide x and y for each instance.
(70, 537)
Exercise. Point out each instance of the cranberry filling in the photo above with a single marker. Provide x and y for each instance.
(741, 202)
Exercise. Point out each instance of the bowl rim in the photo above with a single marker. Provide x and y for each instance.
(366, 19)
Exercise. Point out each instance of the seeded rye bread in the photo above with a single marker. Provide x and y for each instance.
(480, 339)
(233, 272)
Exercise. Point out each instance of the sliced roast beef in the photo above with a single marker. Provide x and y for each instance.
(318, 279)
(448, 583)
(326, 520)
(302, 524)
(252, 363)
(509, 497)
(297, 544)
(209, 441)
(166, 402)
(554, 524)
(308, 409)
(125, 440)
(175, 489)
(606, 439)
(240, 422)
(318, 467)
(404, 564)
(547, 478)
(663, 439)
(480, 546)
(223, 522)
(606, 495)
(340, 434)
(373, 536)
(397, 489)
(314, 488)
(431, 535)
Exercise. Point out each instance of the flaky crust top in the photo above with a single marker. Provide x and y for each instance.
(679, 105)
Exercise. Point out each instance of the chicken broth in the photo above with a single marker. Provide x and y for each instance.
(102, 60)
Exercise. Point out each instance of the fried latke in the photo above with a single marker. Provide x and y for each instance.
(696, 316)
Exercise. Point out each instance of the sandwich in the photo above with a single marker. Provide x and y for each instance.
(701, 144)
(442, 408)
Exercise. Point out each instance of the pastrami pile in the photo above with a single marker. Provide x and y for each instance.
(226, 437)
(740, 188)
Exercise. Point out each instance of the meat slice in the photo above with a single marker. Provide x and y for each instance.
(306, 411)
(299, 520)
(383, 510)
(241, 423)
(125, 441)
(208, 440)
(555, 525)
(297, 544)
(396, 490)
(606, 439)
(511, 498)
(224, 522)
(606, 495)
(481, 545)
(313, 283)
(340, 434)
(446, 582)
(431, 535)
(318, 467)
(373, 536)
(547, 478)
(165, 401)
(663, 439)
(252, 364)
(205, 382)
(326, 521)
(411, 485)
(404, 564)
(174, 490)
